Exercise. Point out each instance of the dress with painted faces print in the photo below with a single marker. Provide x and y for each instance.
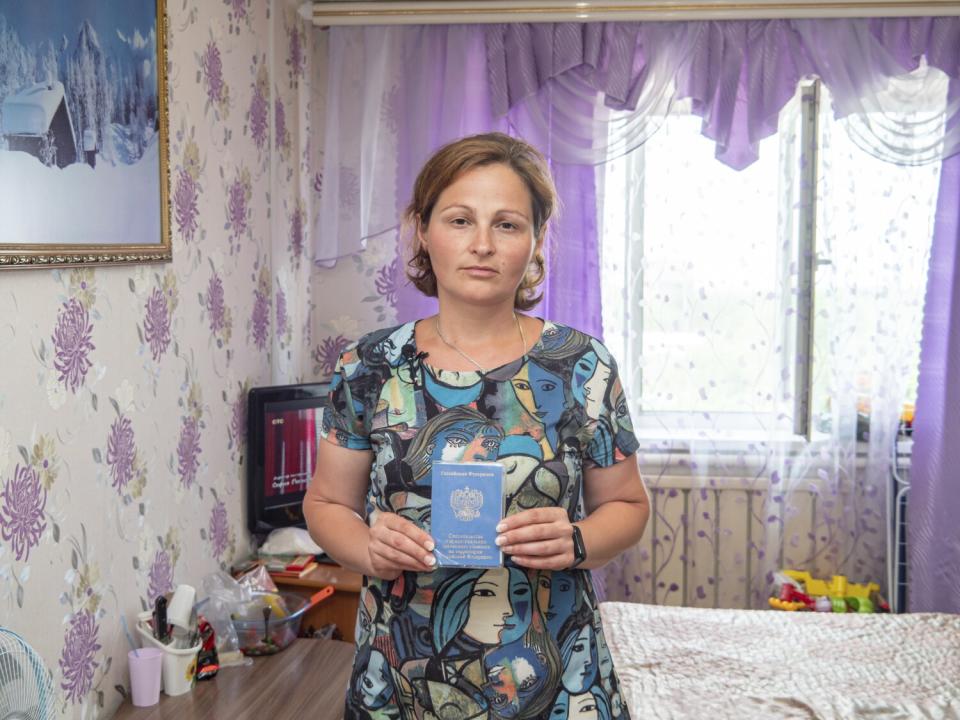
(506, 643)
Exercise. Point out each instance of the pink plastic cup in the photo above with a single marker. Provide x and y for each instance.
(145, 676)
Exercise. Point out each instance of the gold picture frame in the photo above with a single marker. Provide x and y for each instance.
(55, 132)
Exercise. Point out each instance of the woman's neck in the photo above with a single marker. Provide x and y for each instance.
(469, 337)
(476, 326)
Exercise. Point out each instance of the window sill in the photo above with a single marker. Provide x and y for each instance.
(740, 453)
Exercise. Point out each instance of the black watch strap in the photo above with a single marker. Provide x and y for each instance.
(579, 549)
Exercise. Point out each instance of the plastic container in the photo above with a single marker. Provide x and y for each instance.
(179, 665)
(259, 638)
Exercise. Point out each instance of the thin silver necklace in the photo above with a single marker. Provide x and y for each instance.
(523, 341)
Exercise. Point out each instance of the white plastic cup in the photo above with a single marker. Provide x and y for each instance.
(180, 607)
(145, 665)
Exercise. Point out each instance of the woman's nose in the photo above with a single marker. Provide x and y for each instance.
(482, 243)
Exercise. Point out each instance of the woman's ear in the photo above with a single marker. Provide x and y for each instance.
(538, 244)
(421, 239)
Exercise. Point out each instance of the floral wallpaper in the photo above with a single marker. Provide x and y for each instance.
(122, 397)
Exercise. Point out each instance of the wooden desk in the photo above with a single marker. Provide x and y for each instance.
(306, 680)
(339, 608)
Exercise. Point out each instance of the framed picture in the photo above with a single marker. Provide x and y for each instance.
(84, 171)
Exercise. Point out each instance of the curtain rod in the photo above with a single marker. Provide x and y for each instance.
(435, 12)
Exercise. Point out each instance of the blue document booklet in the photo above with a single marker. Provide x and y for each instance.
(466, 507)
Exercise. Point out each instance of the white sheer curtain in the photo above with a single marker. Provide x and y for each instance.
(357, 166)
(703, 314)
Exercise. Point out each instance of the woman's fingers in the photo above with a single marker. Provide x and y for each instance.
(545, 548)
(534, 516)
(386, 557)
(540, 538)
(532, 526)
(398, 544)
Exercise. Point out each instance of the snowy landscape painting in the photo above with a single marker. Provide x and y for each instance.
(83, 136)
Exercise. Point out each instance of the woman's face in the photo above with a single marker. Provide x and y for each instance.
(490, 610)
(581, 668)
(468, 443)
(540, 392)
(604, 659)
(501, 606)
(583, 707)
(521, 602)
(562, 598)
(582, 371)
(594, 390)
(375, 686)
(480, 237)
(398, 400)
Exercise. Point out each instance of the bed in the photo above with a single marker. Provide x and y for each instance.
(677, 662)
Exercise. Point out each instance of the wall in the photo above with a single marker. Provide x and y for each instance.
(121, 413)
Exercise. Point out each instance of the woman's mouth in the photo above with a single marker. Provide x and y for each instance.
(480, 271)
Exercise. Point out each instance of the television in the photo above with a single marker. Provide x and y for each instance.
(283, 429)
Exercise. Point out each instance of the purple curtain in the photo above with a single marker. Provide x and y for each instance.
(448, 98)
(571, 293)
(933, 503)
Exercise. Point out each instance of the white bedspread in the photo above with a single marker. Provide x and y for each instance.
(695, 663)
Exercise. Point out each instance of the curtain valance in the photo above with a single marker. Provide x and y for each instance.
(888, 76)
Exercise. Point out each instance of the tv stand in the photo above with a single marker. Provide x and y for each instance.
(339, 608)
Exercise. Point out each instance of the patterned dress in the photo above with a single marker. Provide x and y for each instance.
(506, 643)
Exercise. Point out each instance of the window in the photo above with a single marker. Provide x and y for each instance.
(723, 289)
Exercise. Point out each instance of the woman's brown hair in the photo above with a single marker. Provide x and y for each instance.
(453, 160)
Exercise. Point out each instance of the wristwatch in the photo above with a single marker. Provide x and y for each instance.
(579, 549)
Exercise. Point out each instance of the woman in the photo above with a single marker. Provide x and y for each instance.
(478, 381)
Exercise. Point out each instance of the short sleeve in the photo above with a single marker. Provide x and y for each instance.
(613, 439)
(344, 416)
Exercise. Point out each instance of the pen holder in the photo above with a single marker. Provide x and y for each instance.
(179, 665)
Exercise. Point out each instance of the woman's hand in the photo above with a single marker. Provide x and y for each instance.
(396, 544)
(539, 538)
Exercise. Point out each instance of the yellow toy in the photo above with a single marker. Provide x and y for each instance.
(778, 604)
(838, 587)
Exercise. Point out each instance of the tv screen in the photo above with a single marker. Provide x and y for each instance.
(283, 430)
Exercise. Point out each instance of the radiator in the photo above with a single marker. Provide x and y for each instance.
(704, 546)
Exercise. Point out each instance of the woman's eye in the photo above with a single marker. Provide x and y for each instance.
(456, 441)
(483, 592)
(508, 226)
(459, 222)
(490, 444)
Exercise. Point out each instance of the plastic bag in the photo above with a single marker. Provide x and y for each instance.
(223, 595)
(258, 580)
(290, 541)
